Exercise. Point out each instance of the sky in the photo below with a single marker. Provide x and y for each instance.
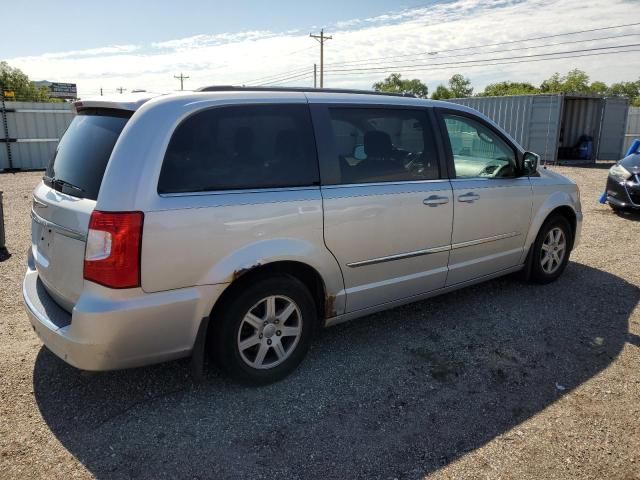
(143, 45)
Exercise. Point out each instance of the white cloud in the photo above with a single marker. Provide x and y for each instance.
(236, 58)
(199, 41)
(89, 52)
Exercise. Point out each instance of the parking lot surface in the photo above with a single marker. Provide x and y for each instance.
(501, 380)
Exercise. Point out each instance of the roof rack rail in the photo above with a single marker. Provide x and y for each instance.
(232, 88)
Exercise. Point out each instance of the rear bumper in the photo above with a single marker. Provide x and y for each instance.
(110, 330)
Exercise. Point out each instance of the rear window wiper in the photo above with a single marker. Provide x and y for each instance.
(59, 184)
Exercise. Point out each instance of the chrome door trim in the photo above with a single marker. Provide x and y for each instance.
(484, 240)
(428, 251)
(400, 256)
(67, 232)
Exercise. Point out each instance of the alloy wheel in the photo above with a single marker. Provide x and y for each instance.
(269, 332)
(554, 248)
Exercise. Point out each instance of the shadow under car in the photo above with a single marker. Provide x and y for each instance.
(397, 394)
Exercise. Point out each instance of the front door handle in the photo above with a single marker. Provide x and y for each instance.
(468, 197)
(435, 200)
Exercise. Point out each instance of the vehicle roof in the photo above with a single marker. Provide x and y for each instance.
(133, 101)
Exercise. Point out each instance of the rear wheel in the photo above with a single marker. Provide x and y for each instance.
(264, 330)
(551, 250)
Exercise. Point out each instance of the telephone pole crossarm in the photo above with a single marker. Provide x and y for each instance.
(182, 78)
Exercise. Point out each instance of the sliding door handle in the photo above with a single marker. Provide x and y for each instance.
(435, 200)
(468, 197)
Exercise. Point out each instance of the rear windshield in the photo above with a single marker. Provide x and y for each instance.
(78, 165)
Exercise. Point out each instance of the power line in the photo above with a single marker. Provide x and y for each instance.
(401, 67)
(292, 77)
(451, 66)
(546, 36)
(471, 47)
(321, 39)
(547, 45)
(308, 77)
(277, 75)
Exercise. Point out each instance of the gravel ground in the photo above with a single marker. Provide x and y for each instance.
(501, 380)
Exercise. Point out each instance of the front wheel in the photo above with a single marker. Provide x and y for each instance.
(551, 250)
(264, 330)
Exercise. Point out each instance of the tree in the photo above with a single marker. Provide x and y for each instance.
(599, 88)
(460, 86)
(441, 93)
(630, 90)
(576, 81)
(508, 88)
(395, 84)
(17, 81)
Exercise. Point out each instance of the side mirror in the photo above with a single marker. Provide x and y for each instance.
(531, 161)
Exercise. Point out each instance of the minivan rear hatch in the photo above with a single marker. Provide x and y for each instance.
(64, 201)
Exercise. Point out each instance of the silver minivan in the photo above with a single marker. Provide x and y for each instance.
(238, 222)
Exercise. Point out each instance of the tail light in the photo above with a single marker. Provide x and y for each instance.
(112, 255)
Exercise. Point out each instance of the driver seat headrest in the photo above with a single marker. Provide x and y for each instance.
(377, 144)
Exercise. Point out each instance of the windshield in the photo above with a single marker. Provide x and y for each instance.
(78, 165)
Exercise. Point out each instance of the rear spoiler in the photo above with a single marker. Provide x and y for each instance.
(129, 103)
(104, 112)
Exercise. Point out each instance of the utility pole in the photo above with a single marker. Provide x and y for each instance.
(182, 78)
(321, 38)
(315, 75)
(100, 91)
(121, 89)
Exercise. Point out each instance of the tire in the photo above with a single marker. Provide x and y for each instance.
(272, 350)
(543, 268)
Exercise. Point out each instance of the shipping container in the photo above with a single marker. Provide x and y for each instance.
(553, 125)
(633, 127)
(31, 131)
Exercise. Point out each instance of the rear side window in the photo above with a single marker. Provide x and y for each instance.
(241, 147)
(78, 165)
(383, 145)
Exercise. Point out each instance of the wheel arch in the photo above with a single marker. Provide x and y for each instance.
(560, 203)
(324, 300)
(569, 213)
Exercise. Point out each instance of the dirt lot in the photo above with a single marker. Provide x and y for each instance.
(501, 380)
